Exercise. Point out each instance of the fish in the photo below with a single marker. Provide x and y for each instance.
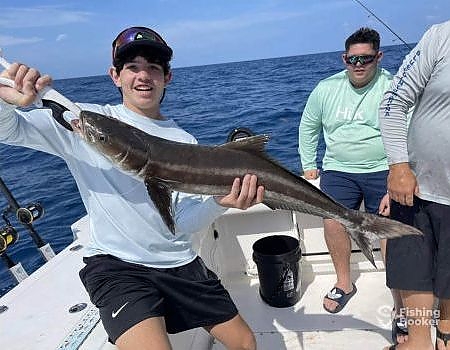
(167, 166)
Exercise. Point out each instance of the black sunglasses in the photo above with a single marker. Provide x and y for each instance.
(362, 59)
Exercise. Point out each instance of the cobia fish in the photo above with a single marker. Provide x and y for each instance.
(166, 165)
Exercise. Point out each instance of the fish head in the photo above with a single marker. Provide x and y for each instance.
(108, 135)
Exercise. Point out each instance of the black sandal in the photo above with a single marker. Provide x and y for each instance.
(399, 328)
(445, 337)
(340, 297)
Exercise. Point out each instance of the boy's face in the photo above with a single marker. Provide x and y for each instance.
(142, 85)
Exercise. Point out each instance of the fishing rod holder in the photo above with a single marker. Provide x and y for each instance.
(26, 215)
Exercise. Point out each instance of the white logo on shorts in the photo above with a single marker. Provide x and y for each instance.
(114, 314)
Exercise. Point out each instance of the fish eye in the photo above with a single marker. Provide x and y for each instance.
(102, 138)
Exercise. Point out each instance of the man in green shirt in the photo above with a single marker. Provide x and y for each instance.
(345, 108)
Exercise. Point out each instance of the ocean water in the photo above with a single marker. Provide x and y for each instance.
(267, 96)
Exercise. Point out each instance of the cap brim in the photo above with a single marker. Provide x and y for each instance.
(158, 49)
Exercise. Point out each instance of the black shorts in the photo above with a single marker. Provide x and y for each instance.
(421, 263)
(187, 297)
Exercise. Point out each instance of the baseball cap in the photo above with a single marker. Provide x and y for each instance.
(135, 37)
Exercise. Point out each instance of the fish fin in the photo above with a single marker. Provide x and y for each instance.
(364, 228)
(362, 241)
(160, 193)
(254, 144)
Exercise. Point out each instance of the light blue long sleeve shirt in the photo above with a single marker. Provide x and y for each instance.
(123, 220)
(422, 82)
(348, 118)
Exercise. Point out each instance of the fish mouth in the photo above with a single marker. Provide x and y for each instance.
(86, 129)
(76, 126)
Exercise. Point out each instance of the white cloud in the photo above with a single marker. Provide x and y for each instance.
(61, 37)
(6, 40)
(39, 16)
(241, 21)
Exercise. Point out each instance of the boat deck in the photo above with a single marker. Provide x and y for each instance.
(38, 308)
(364, 323)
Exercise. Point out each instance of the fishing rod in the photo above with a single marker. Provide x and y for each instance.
(26, 216)
(383, 23)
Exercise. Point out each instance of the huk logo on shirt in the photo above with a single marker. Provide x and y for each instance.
(348, 114)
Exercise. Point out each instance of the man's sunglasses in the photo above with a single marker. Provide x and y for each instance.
(362, 59)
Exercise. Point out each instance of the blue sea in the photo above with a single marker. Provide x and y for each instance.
(267, 96)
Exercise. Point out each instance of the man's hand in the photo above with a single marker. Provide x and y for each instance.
(402, 184)
(311, 174)
(28, 81)
(242, 196)
(385, 206)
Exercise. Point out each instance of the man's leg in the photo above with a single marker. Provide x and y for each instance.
(149, 334)
(344, 189)
(419, 306)
(376, 201)
(339, 246)
(235, 334)
(396, 297)
(398, 303)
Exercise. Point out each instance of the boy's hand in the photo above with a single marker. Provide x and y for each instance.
(243, 196)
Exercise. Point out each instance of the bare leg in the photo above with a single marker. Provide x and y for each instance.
(235, 334)
(149, 334)
(444, 322)
(417, 304)
(339, 246)
(398, 303)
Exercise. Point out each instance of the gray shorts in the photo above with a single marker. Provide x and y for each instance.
(421, 263)
(187, 297)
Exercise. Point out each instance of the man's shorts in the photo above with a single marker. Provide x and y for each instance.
(187, 297)
(350, 189)
(421, 263)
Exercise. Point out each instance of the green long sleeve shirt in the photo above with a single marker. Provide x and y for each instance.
(349, 120)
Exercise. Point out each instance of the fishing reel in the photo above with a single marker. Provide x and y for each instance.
(26, 215)
(239, 133)
(8, 236)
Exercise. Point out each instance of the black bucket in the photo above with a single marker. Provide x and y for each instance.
(277, 259)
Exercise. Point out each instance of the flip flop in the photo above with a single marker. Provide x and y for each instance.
(340, 297)
(399, 328)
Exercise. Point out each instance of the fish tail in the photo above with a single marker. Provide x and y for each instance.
(364, 228)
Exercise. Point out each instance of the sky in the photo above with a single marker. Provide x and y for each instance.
(73, 39)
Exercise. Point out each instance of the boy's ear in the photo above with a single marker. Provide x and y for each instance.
(114, 76)
(168, 78)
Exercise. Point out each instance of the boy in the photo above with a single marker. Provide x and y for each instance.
(144, 280)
